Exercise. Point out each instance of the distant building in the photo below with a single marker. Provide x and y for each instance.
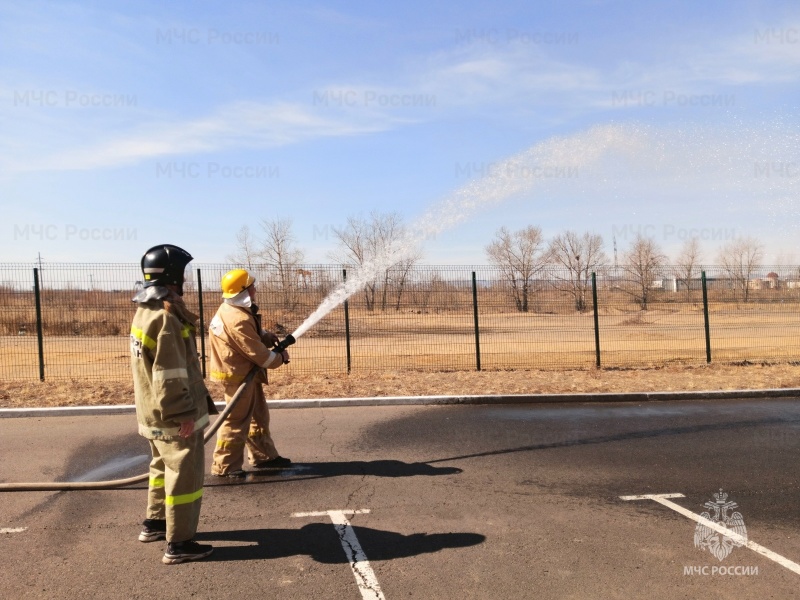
(676, 284)
(772, 279)
(695, 283)
(770, 282)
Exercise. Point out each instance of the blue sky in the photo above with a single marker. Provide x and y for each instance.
(127, 124)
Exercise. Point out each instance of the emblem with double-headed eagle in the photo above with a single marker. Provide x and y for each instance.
(716, 542)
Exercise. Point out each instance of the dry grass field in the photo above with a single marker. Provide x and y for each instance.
(662, 349)
(662, 335)
(81, 392)
(429, 348)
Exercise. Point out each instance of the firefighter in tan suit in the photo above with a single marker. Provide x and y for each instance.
(172, 404)
(237, 344)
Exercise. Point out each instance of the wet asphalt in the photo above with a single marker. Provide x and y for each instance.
(501, 501)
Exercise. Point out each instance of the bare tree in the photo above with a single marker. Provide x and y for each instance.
(399, 277)
(355, 249)
(365, 240)
(278, 251)
(688, 263)
(580, 255)
(740, 259)
(644, 262)
(520, 256)
(246, 252)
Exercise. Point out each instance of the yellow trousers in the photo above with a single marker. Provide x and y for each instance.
(176, 485)
(247, 426)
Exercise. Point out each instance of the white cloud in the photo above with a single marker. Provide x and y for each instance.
(498, 80)
(522, 77)
(761, 56)
(242, 124)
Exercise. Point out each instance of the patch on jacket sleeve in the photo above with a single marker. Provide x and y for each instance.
(216, 327)
(167, 374)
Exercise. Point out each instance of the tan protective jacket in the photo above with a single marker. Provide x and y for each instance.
(167, 380)
(236, 346)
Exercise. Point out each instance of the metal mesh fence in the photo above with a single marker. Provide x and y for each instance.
(423, 318)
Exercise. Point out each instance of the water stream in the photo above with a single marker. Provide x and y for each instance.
(113, 467)
(719, 160)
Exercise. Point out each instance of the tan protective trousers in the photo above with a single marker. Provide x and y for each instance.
(247, 426)
(176, 485)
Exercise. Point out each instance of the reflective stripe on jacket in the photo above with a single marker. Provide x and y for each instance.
(167, 380)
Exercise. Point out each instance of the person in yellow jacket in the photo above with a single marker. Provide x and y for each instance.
(237, 344)
(172, 404)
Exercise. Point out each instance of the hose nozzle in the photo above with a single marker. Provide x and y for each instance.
(285, 343)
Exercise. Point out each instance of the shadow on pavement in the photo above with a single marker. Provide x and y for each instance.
(318, 470)
(321, 542)
(375, 468)
(630, 435)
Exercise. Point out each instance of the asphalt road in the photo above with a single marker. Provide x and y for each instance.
(511, 501)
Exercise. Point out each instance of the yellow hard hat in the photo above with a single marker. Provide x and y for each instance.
(236, 281)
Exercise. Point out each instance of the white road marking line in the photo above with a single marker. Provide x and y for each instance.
(652, 496)
(325, 513)
(362, 571)
(663, 500)
(13, 530)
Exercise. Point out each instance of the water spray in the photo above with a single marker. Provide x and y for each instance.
(510, 178)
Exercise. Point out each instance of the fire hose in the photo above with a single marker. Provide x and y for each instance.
(115, 483)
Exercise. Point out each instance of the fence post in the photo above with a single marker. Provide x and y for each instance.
(347, 324)
(596, 321)
(202, 324)
(705, 316)
(39, 336)
(475, 317)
